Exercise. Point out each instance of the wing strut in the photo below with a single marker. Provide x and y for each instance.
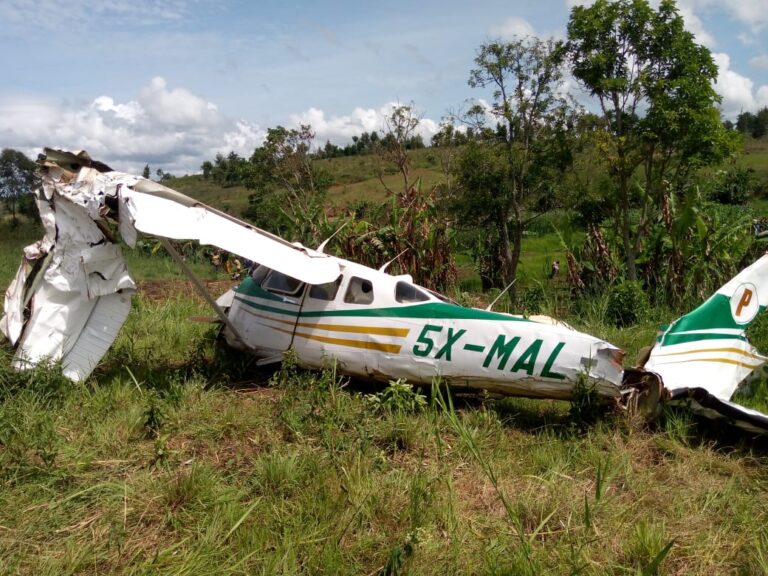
(200, 287)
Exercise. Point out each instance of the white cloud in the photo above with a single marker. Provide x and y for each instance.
(761, 98)
(513, 27)
(340, 129)
(170, 129)
(752, 13)
(760, 62)
(694, 25)
(737, 90)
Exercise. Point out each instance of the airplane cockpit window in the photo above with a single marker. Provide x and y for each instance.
(359, 291)
(258, 273)
(443, 298)
(325, 291)
(405, 293)
(282, 284)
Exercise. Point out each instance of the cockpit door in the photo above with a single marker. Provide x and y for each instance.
(265, 311)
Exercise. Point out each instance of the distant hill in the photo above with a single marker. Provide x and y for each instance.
(354, 179)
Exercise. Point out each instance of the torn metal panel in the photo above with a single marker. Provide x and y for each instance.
(96, 336)
(72, 292)
(80, 297)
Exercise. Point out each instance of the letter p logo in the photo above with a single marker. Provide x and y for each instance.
(744, 303)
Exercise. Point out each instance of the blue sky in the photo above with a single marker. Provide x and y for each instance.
(173, 82)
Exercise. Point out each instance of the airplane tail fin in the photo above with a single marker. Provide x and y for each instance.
(703, 356)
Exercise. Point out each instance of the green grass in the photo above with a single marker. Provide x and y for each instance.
(232, 200)
(172, 472)
(159, 464)
(756, 157)
(178, 457)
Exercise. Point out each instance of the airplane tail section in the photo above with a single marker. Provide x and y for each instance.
(704, 356)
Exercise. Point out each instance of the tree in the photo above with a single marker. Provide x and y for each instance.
(421, 239)
(283, 172)
(653, 83)
(146, 172)
(761, 123)
(506, 173)
(393, 147)
(17, 177)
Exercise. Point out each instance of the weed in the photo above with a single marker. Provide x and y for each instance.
(585, 408)
(678, 424)
(154, 417)
(399, 555)
(398, 397)
(647, 549)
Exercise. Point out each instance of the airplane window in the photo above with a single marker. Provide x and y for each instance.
(405, 292)
(279, 282)
(325, 291)
(443, 297)
(258, 273)
(359, 291)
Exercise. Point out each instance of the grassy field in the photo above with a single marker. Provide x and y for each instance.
(178, 457)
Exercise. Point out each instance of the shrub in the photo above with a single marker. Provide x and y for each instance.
(400, 397)
(532, 300)
(627, 304)
(733, 186)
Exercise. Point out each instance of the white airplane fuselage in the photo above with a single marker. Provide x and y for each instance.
(382, 327)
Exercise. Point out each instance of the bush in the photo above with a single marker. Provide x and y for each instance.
(733, 186)
(532, 300)
(627, 304)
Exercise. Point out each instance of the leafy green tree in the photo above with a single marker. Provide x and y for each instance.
(653, 83)
(289, 187)
(17, 177)
(146, 172)
(229, 170)
(507, 173)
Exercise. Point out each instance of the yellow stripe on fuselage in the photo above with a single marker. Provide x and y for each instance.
(373, 330)
(717, 360)
(365, 345)
(707, 350)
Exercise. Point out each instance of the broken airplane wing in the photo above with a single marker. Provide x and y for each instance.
(74, 281)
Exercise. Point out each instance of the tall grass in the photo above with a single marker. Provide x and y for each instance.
(150, 470)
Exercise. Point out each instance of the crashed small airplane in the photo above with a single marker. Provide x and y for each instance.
(72, 293)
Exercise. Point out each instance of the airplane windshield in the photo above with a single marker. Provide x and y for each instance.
(279, 282)
(258, 273)
(406, 293)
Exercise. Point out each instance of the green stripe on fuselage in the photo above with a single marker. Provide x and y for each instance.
(250, 288)
(672, 339)
(713, 314)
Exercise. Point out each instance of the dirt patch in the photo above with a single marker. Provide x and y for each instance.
(156, 290)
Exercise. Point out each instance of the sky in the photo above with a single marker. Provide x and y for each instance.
(171, 83)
